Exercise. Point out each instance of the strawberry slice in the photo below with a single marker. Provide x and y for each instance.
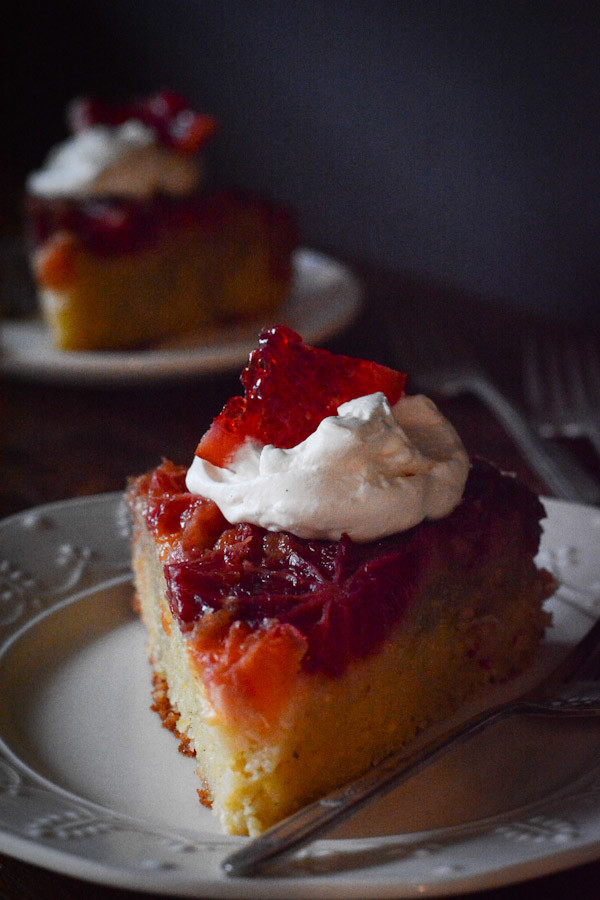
(289, 387)
(168, 113)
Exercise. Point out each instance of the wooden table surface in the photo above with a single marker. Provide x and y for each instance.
(60, 441)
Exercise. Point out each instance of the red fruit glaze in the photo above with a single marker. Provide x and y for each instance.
(344, 598)
(289, 387)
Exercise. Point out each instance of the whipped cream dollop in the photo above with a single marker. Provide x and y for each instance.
(370, 471)
(123, 160)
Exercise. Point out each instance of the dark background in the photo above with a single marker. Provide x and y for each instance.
(454, 141)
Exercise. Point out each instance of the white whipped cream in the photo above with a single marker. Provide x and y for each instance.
(123, 160)
(368, 472)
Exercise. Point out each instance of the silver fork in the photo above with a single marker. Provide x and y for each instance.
(438, 360)
(571, 689)
(562, 382)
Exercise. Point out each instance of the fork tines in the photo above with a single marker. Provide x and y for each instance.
(562, 383)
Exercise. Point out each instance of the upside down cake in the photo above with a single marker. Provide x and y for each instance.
(128, 244)
(294, 644)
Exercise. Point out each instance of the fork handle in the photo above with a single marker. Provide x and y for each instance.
(313, 820)
(563, 475)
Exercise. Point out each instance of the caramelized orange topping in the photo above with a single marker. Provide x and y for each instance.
(248, 673)
(55, 264)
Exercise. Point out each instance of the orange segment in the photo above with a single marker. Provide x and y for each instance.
(56, 263)
(249, 674)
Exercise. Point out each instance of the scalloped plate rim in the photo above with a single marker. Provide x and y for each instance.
(377, 884)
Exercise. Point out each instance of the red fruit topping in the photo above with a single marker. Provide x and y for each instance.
(176, 517)
(289, 388)
(109, 226)
(343, 598)
(176, 125)
(248, 672)
(324, 589)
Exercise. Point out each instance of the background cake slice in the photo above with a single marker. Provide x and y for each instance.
(128, 244)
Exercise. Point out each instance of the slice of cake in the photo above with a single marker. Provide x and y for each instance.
(128, 245)
(330, 575)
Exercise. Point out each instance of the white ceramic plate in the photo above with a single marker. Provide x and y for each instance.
(325, 298)
(91, 785)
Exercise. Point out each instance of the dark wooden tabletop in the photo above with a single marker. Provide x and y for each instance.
(60, 441)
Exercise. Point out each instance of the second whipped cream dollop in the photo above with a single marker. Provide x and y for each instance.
(123, 160)
(368, 472)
